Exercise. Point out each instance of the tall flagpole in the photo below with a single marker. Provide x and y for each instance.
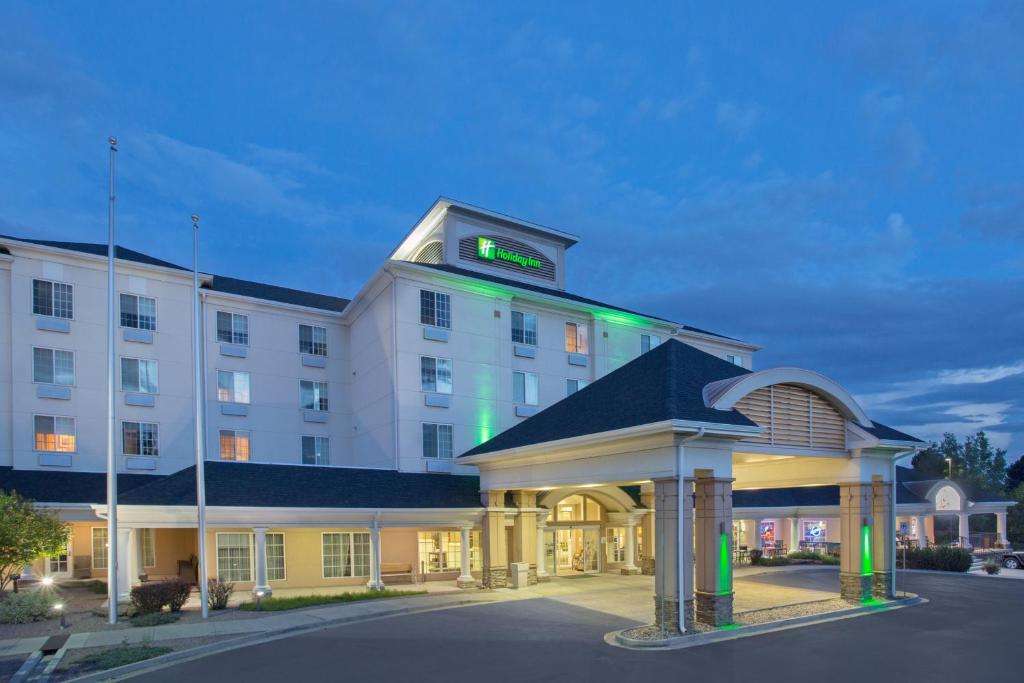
(111, 358)
(197, 341)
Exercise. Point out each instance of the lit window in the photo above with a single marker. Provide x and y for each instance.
(435, 309)
(615, 544)
(313, 395)
(313, 340)
(437, 441)
(574, 385)
(232, 387)
(53, 299)
(346, 554)
(648, 342)
(735, 360)
(232, 328)
(576, 338)
(147, 548)
(54, 434)
(140, 438)
(524, 328)
(524, 388)
(275, 557)
(138, 312)
(436, 374)
(316, 450)
(441, 551)
(234, 445)
(99, 547)
(52, 366)
(139, 375)
(234, 557)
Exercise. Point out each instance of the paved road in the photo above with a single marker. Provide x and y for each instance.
(971, 625)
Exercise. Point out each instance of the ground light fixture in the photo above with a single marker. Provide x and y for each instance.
(259, 600)
(47, 581)
(59, 609)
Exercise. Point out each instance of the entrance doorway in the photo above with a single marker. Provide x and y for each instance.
(572, 550)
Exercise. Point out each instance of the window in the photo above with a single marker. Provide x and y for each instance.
(441, 551)
(735, 360)
(316, 450)
(313, 395)
(275, 557)
(648, 342)
(576, 338)
(615, 546)
(524, 388)
(232, 387)
(140, 438)
(313, 340)
(234, 445)
(51, 366)
(99, 547)
(234, 557)
(814, 531)
(437, 441)
(524, 328)
(138, 375)
(577, 508)
(436, 374)
(147, 548)
(55, 434)
(435, 309)
(232, 328)
(54, 299)
(346, 554)
(138, 312)
(574, 385)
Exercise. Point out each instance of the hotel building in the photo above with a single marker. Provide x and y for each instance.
(463, 417)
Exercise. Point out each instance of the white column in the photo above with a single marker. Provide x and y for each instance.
(125, 553)
(542, 568)
(922, 534)
(1001, 528)
(965, 528)
(376, 582)
(794, 534)
(261, 584)
(465, 579)
(758, 543)
(630, 565)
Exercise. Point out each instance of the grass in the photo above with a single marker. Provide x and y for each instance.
(278, 604)
(155, 619)
(120, 656)
(94, 586)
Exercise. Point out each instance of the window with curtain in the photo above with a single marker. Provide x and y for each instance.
(232, 387)
(574, 385)
(435, 309)
(524, 388)
(139, 375)
(234, 557)
(576, 338)
(524, 328)
(313, 395)
(140, 438)
(54, 434)
(53, 366)
(316, 450)
(147, 547)
(436, 374)
(313, 340)
(99, 547)
(234, 445)
(232, 328)
(437, 440)
(138, 312)
(53, 299)
(275, 557)
(345, 554)
(648, 342)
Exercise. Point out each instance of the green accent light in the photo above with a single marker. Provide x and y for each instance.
(728, 627)
(865, 551)
(487, 250)
(724, 566)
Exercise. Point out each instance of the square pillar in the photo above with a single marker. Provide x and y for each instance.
(630, 567)
(929, 529)
(1001, 529)
(524, 532)
(542, 570)
(882, 536)
(260, 585)
(713, 524)
(965, 529)
(495, 547)
(647, 539)
(671, 580)
(794, 534)
(856, 570)
(127, 559)
(376, 581)
(465, 579)
(922, 535)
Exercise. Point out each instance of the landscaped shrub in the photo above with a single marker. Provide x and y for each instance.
(21, 608)
(178, 591)
(817, 558)
(773, 561)
(150, 597)
(154, 619)
(219, 592)
(992, 566)
(941, 558)
(755, 556)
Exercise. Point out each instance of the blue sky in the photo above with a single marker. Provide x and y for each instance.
(844, 185)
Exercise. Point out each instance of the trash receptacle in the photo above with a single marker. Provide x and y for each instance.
(520, 574)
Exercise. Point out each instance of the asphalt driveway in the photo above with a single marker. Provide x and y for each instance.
(971, 625)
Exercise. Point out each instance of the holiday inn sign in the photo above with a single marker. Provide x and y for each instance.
(489, 251)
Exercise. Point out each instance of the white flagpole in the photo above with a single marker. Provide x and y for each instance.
(111, 359)
(197, 341)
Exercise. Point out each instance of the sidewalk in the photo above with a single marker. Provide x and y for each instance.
(274, 622)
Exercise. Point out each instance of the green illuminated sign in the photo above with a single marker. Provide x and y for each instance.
(489, 251)
(865, 551)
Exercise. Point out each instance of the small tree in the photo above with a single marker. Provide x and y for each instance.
(26, 534)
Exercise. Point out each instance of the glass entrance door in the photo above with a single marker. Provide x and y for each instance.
(572, 550)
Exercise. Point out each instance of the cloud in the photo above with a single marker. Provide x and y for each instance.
(996, 211)
(891, 131)
(737, 120)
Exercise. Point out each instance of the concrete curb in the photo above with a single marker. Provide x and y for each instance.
(616, 639)
(27, 667)
(246, 640)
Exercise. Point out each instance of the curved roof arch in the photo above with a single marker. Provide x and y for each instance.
(723, 394)
(612, 498)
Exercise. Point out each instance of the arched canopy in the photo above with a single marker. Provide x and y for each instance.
(611, 498)
(724, 394)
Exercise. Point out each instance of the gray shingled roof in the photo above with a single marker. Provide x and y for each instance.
(95, 249)
(48, 486)
(666, 383)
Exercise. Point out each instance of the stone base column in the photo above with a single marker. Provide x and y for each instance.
(647, 566)
(666, 615)
(882, 586)
(713, 516)
(855, 587)
(714, 610)
(495, 577)
(495, 545)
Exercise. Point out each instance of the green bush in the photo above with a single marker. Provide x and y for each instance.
(154, 619)
(218, 593)
(21, 608)
(120, 656)
(149, 598)
(819, 558)
(992, 566)
(178, 592)
(777, 561)
(297, 601)
(942, 558)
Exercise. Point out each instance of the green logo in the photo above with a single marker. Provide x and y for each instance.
(485, 248)
(489, 251)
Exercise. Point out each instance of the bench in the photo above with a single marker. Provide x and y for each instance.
(397, 572)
